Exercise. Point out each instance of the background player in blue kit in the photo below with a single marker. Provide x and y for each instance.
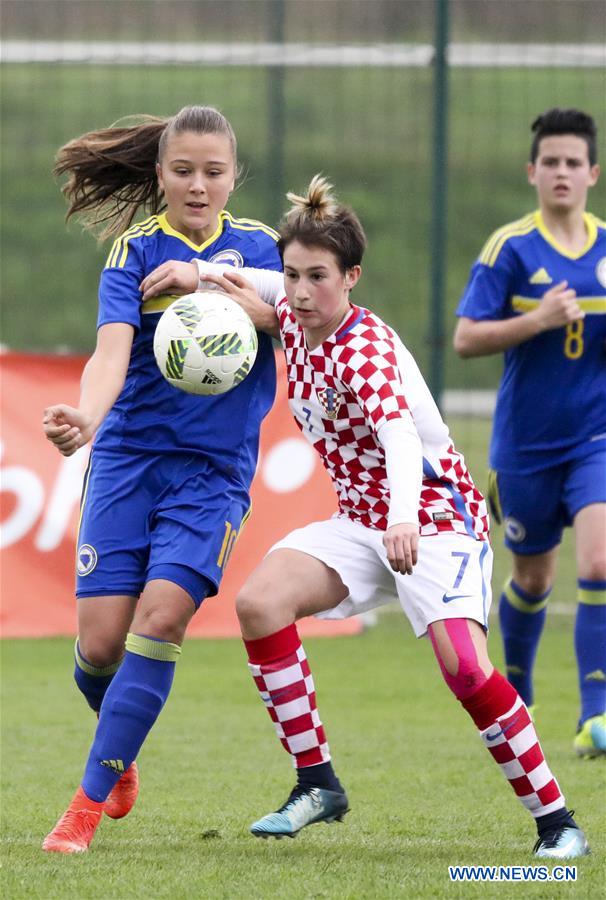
(169, 472)
(538, 293)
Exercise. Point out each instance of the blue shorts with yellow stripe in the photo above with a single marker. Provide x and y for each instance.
(148, 516)
(535, 508)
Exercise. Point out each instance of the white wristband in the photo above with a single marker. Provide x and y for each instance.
(209, 268)
(268, 284)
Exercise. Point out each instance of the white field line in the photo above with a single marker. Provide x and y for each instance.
(477, 404)
(301, 54)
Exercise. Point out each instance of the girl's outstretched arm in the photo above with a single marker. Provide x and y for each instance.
(69, 427)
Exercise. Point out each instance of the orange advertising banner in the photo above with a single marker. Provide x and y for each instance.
(40, 496)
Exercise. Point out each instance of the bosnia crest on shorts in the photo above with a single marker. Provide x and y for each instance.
(330, 401)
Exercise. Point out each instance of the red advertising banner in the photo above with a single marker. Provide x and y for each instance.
(40, 495)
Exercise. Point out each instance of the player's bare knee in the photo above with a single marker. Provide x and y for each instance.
(534, 583)
(594, 568)
(161, 623)
(101, 650)
(253, 608)
(469, 677)
(464, 663)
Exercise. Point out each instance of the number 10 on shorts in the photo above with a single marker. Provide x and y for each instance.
(229, 539)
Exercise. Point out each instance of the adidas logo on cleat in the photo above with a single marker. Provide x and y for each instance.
(116, 765)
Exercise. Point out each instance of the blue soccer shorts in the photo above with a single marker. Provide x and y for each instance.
(147, 516)
(535, 508)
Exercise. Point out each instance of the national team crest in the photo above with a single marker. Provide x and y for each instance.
(228, 258)
(86, 559)
(330, 401)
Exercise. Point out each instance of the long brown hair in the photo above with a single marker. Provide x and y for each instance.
(112, 172)
(317, 219)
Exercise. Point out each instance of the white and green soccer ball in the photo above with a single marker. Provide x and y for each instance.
(205, 343)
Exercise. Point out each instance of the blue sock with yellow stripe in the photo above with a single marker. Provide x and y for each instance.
(93, 681)
(590, 646)
(132, 704)
(521, 617)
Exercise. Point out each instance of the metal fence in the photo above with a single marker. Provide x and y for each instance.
(431, 157)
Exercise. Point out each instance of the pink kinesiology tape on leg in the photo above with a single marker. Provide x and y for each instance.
(469, 676)
(503, 721)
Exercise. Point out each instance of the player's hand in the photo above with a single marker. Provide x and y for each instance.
(402, 544)
(243, 292)
(558, 307)
(67, 428)
(172, 277)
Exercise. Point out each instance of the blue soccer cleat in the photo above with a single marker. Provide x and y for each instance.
(304, 807)
(562, 842)
(591, 739)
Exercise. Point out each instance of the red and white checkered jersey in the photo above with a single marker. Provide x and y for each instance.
(343, 391)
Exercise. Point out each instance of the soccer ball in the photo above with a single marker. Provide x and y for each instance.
(205, 343)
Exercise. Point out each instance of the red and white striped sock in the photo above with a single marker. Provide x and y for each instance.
(281, 672)
(509, 734)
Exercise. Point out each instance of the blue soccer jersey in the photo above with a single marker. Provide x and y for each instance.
(551, 403)
(150, 415)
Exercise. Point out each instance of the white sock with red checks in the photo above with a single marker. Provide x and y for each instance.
(509, 734)
(281, 672)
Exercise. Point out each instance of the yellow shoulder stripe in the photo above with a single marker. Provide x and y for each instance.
(493, 246)
(496, 236)
(251, 225)
(118, 243)
(119, 251)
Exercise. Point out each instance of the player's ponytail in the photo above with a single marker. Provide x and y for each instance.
(316, 218)
(317, 205)
(112, 171)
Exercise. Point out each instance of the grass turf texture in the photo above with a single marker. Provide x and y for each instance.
(424, 792)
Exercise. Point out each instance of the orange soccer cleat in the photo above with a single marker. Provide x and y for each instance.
(76, 828)
(123, 794)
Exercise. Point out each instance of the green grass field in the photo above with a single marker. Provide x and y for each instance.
(424, 793)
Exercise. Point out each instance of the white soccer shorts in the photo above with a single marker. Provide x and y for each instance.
(451, 579)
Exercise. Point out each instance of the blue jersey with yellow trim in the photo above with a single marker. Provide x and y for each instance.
(551, 403)
(152, 415)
